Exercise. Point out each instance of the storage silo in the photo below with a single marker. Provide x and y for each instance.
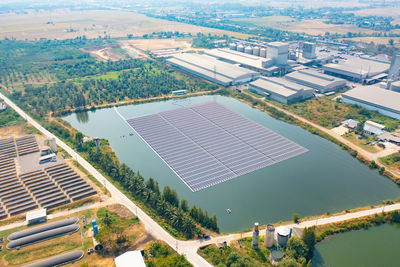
(263, 52)
(240, 48)
(283, 235)
(256, 51)
(269, 236)
(232, 46)
(248, 50)
(254, 243)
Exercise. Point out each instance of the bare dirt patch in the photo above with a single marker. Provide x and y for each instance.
(157, 44)
(12, 131)
(316, 27)
(104, 52)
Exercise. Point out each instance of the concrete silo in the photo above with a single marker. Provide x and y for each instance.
(263, 52)
(269, 236)
(232, 46)
(240, 48)
(256, 51)
(248, 50)
(254, 243)
(283, 235)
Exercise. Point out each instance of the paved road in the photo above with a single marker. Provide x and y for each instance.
(188, 248)
(151, 226)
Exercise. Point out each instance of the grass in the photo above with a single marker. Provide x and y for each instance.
(253, 93)
(329, 113)
(392, 161)
(9, 117)
(352, 137)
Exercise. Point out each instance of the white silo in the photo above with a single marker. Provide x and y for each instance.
(283, 235)
(240, 48)
(254, 243)
(263, 52)
(256, 51)
(248, 50)
(232, 46)
(269, 236)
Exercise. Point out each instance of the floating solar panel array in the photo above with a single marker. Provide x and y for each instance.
(208, 144)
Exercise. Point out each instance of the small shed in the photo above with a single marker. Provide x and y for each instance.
(373, 128)
(350, 124)
(129, 259)
(36, 216)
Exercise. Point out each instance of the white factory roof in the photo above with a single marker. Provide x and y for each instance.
(359, 66)
(376, 96)
(375, 125)
(278, 86)
(277, 44)
(314, 77)
(238, 57)
(129, 259)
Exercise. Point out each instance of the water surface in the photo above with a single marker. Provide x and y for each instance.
(377, 246)
(323, 179)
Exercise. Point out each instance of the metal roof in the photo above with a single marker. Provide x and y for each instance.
(42, 228)
(283, 230)
(238, 57)
(129, 259)
(376, 96)
(211, 65)
(314, 77)
(59, 260)
(31, 239)
(36, 214)
(279, 86)
(359, 66)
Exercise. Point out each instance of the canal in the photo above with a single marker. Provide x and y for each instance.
(324, 179)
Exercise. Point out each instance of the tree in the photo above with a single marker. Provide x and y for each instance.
(296, 248)
(296, 217)
(184, 205)
(107, 221)
(308, 238)
(79, 138)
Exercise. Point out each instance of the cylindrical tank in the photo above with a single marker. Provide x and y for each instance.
(263, 52)
(240, 48)
(269, 236)
(232, 46)
(256, 51)
(254, 243)
(248, 50)
(283, 235)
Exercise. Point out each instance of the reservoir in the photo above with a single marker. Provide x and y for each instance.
(324, 179)
(377, 246)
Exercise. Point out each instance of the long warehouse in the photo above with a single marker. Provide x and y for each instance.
(281, 90)
(321, 82)
(375, 98)
(212, 69)
(356, 69)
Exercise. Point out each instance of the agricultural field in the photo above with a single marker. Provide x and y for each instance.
(379, 11)
(277, 22)
(375, 40)
(155, 44)
(66, 24)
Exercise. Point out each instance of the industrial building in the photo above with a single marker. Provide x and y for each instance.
(321, 82)
(394, 71)
(281, 90)
(309, 50)
(358, 69)
(278, 52)
(214, 70)
(373, 128)
(375, 98)
(395, 86)
(130, 258)
(248, 61)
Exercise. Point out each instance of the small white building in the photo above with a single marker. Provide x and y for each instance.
(350, 124)
(36, 216)
(130, 259)
(373, 128)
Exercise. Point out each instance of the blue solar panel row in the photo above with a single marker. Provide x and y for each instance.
(208, 144)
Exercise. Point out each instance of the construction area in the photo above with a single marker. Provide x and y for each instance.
(30, 180)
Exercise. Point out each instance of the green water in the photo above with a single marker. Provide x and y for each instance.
(375, 247)
(323, 179)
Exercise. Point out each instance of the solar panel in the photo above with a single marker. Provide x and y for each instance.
(208, 144)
